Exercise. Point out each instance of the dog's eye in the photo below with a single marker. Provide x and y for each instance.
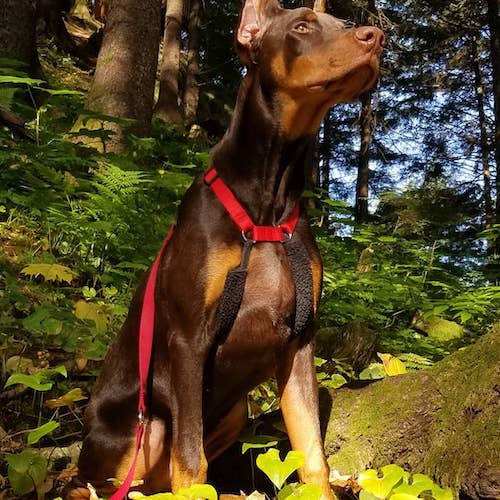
(302, 28)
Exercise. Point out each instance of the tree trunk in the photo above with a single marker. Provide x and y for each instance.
(326, 153)
(494, 25)
(17, 33)
(361, 210)
(167, 107)
(126, 67)
(191, 89)
(442, 422)
(366, 129)
(485, 156)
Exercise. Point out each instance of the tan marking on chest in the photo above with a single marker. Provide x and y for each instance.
(219, 261)
(317, 273)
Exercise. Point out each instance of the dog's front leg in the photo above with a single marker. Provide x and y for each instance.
(298, 387)
(188, 461)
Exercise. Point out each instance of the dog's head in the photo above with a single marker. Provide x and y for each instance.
(307, 58)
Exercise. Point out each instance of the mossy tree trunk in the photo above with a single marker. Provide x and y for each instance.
(125, 75)
(443, 421)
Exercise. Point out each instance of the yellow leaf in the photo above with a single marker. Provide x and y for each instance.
(93, 312)
(50, 272)
(392, 365)
(67, 399)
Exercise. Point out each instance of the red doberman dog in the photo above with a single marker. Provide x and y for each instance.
(299, 63)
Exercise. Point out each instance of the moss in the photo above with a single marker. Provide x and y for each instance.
(443, 422)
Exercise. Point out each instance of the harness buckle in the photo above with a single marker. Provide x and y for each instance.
(245, 237)
(140, 417)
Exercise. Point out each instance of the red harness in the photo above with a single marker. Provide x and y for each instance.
(241, 218)
(249, 230)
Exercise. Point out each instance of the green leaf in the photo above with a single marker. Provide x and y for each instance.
(258, 442)
(419, 483)
(43, 430)
(374, 371)
(26, 471)
(93, 312)
(403, 496)
(199, 491)
(68, 399)
(300, 491)
(365, 495)
(381, 487)
(275, 469)
(20, 80)
(40, 381)
(50, 272)
(31, 381)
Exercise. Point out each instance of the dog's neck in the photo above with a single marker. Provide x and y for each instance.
(265, 171)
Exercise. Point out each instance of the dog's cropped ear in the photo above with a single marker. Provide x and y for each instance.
(252, 19)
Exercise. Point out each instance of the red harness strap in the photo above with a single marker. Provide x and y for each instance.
(146, 331)
(240, 216)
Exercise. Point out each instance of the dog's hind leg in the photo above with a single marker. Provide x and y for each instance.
(227, 430)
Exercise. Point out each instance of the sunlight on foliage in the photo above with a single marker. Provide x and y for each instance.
(50, 272)
(397, 484)
(278, 470)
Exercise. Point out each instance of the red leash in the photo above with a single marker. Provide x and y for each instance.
(146, 331)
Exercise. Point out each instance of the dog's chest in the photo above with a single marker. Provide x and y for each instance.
(262, 326)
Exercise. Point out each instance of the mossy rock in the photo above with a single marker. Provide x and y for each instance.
(442, 422)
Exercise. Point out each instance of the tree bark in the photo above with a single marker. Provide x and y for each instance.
(125, 75)
(363, 178)
(442, 422)
(167, 107)
(494, 25)
(326, 153)
(366, 122)
(489, 214)
(17, 33)
(191, 89)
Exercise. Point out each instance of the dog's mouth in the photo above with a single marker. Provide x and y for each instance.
(363, 75)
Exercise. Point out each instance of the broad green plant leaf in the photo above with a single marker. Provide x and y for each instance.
(205, 491)
(137, 495)
(392, 365)
(93, 312)
(19, 364)
(300, 491)
(50, 272)
(365, 495)
(43, 430)
(40, 381)
(258, 442)
(403, 496)
(417, 485)
(334, 382)
(374, 371)
(68, 399)
(275, 469)
(380, 487)
(20, 80)
(26, 471)
(199, 491)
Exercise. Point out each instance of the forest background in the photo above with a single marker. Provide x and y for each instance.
(107, 111)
